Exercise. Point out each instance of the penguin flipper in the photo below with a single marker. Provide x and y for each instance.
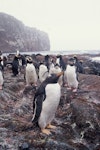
(37, 106)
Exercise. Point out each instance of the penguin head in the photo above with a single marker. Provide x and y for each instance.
(17, 54)
(75, 57)
(29, 60)
(16, 57)
(53, 78)
(81, 61)
(71, 61)
(58, 56)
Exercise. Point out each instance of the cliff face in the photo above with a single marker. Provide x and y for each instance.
(14, 35)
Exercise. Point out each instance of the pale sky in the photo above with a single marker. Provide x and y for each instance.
(70, 24)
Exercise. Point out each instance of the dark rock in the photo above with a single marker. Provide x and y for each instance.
(24, 146)
(57, 145)
(77, 118)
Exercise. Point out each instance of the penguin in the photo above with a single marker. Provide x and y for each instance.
(15, 65)
(23, 60)
(51, 68)
(56, 70)
(43, 72)
(1, 72)
(1, 78)
(31, 75)
(79, 65)
(47, 61)
(61, 62)
(22, 64)
(17, 53)
(58, 60)
(1, 63)
(46, 101)
(71, 75)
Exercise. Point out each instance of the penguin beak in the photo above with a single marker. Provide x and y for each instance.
(59, 74)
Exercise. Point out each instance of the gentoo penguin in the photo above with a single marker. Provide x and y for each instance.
(79, 65)
(22, 64)
(15, 65)
(31, 75)
(1, 63)
(1, 77)
(71, 75)
(56, 69)
(61, 62)
(51, 68)
(23, 60)
(1, 70)
(46, 101)
(43, 72)
(47, 61)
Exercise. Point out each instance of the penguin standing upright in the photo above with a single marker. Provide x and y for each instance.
(46, 101)
(61, 62)
(56, 70)
(79, 65)
(1, 63)
(51, 68)
(1, 78)
(43, 72)
(71, 75)
(31, 75)
(47, 61)
(15, 65)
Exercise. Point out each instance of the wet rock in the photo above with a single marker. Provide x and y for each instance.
(24, 146)
(58, 145)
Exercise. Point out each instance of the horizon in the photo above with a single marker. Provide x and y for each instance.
(71, 25)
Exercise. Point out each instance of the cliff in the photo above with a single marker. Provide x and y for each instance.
(14, 35)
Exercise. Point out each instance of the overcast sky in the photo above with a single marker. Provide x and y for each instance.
(70, 24)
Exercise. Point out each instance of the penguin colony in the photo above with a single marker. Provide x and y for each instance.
(47, 96)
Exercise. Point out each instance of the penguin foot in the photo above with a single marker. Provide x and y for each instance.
(51, 126)
(46, 131)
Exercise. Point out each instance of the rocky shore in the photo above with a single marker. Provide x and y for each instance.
(77, 118)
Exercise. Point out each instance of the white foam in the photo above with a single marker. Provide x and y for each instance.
(96, 59)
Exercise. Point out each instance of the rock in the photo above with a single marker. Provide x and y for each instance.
(77, 118)
(24, 146)
(58, 145)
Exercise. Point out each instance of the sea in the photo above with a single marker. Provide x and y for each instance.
(63, 52)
